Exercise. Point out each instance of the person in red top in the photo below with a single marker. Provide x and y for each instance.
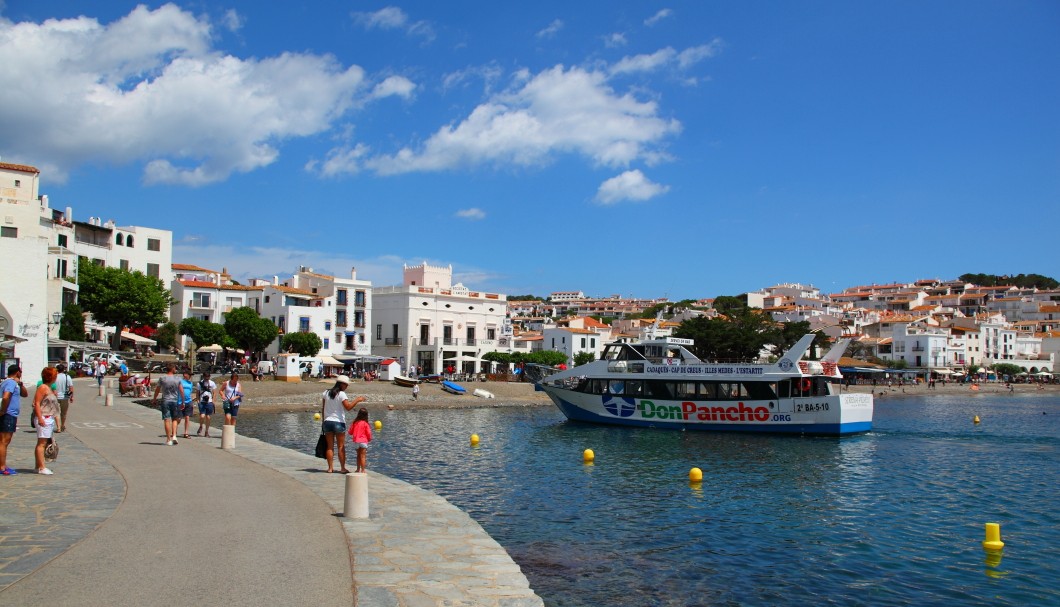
(362, 435)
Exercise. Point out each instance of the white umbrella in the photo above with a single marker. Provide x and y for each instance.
(211, 348)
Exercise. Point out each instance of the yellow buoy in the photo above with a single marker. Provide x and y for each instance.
(378, 425)
(975, 420)
(695, 475)
(993, 537)
(316, 416)
(474, 440)
(588, 456)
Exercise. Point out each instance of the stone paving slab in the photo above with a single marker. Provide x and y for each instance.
(415, 549)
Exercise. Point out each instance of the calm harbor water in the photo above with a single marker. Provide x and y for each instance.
(892, 517)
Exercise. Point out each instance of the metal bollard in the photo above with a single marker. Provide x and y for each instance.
(228, 436)
(355, 504)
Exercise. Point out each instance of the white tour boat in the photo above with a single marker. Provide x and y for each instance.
(659, 383)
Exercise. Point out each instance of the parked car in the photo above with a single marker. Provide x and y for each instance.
(114, 360)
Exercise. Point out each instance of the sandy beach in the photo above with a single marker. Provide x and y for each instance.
(274, 395)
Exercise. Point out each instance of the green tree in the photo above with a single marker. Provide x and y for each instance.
(166, 336)
(1007, 369)
(792, 332)
(250, 331)
(583, 358)
(973, 369)
(72, 325)
(740, 336)
(119, 298)
(203, 332)
(503, 358)
(305, 344)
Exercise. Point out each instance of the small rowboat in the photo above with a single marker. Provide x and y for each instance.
(407, 382)
(479, 392)
(452, 388)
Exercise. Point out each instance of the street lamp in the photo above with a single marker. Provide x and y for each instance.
(57, 318)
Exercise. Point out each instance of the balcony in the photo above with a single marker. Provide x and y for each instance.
(392, 341)
(199, 305)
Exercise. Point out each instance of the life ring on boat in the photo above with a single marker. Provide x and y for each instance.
(805, 384)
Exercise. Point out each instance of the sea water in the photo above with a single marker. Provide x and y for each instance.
(891, 517)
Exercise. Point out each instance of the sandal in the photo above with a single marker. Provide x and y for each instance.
(186, 436)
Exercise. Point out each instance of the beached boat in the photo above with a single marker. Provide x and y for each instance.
(479, 392)
(452, 388)
(659, 383)
(407, 382)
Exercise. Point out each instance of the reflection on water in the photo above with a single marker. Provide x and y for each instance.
(891, 517)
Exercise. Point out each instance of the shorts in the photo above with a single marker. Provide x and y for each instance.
(189, 409)
(231, 408)
(8, 423)
(333, 427)
(359, 445)
(171, 410)
(45, 431)
(206, 408)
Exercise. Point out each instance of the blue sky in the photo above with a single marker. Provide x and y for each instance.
(680, 149)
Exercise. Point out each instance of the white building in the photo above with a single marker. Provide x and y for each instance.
(25, 317)
(350, 333)
(427, 320)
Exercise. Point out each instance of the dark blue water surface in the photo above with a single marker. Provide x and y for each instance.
(892, 517)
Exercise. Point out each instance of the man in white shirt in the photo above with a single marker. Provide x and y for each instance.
(64, 391)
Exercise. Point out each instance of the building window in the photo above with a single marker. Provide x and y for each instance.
(340, 318)
(266, 299)
(378, 332)
(60, 269)
(491, 333)
(129, 241)
(359, 299)
(583, 343)
(8, 232)
(62, 240)
(303, 324)
(327, 343)
(358, 319)
(154, 244)
(152, 270)
(119, 239)
(18, 183)
(123, 264)
(340, 296)
(200, 300)
(327, 325)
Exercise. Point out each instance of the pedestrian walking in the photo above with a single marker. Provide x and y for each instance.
(334, 405)
(64, 390)
(207, 392)
(99, 369)
(45, 410)
(13, 391)
(170, 388)
(362, 435)
(233, 397)
(415, 391)
(187, 402)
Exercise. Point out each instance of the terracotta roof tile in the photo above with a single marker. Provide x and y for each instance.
(25, 168)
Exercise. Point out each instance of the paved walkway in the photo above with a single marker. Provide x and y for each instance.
(127, 520)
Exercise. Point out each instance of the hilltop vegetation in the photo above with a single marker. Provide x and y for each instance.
(1019, 280)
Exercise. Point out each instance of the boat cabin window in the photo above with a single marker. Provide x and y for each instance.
(808, 386)
(681, 390)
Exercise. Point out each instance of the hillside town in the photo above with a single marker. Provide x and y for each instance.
(936, 327)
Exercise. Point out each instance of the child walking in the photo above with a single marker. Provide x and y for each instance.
(361, 432)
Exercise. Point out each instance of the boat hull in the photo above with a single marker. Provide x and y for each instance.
(452, 388)
(833, 415)
(406, 382)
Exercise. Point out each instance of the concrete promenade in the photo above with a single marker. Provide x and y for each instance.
(127, 520)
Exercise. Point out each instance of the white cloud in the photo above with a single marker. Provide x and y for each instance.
(554, 112)
(631, 185)
(149, 88)
(552, 29)
(232, 20)
(387, 18)
(398, 86)
(667, 57)
(489, 74)
(393, 17)
(615, 40)
(340, 161)
(472, 213)
(657, 17)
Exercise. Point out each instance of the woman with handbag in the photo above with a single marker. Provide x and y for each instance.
(45, 411)
(335, 404)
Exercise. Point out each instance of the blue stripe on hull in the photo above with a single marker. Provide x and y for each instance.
(581, 415)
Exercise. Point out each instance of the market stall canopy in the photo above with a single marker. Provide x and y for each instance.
(139, 339)
(942, 371)
(211, 348)
(330, 361)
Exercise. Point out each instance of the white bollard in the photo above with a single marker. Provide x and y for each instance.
(101, 389)
(356, 502)
(110, 400)
(228, 436)
(113, 383)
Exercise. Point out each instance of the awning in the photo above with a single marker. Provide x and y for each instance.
(329, 361)
(133, 337)
(860, 370)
